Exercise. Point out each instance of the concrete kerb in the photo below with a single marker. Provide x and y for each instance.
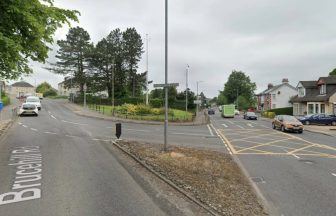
(107, 118)
(169, 182)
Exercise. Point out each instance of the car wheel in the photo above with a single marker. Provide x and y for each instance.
(307, 123)
(273, 126)
(300, 132)
(333, 123)
(282, 128)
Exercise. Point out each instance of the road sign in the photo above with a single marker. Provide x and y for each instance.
(85, 87)
(197, 101)
(165, 85)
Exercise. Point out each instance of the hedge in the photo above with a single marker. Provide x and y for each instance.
(283, 111)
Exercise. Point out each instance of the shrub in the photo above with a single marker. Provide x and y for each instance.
(50, 92)
(268, 114)
(142, 109)
(5, 100)
(156, 102)
(157, 111)
(283, 111)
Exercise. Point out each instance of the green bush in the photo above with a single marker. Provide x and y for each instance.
(50, 92)
(5, 100)
(156, 103)
(283, 111)
(268, 114)
(142, 109)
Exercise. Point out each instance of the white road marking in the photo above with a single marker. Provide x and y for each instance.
(240, 126)
(190, 134)
(73, 123)
(210, 130)
(70, 136)
(249, 124)
(230, 122)
(225, 125)
(53, 117)
(47, 132)
(297, 157)
(49, 112)
(33, 129)
(137, 130)
(20, 123)
(333, 174)
(25, 126)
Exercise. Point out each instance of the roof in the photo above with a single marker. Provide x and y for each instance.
(267, 91)
(313, 95)
(328, 80)
(22, 84)
(308, 84)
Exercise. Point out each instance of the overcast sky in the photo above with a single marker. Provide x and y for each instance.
(269, 40)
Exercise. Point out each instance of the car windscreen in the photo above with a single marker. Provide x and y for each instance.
(250, 114)
(28, 106)
(34, 100)
(289, 118)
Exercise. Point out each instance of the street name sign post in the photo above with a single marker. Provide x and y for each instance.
(166, 86)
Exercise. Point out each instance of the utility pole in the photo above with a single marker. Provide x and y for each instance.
(147, 69)
(112, 80)
(166, 77)
(197, 97)
(237, 99)
(187, 70)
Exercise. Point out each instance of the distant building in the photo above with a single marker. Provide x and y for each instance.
(21, 88)
(63, 90)
(315, 97)
(276, 96)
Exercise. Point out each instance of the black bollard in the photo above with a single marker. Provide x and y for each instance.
(118, 130)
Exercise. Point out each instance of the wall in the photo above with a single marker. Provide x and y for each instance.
(282, 100)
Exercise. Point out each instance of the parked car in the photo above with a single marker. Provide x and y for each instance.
(324, 119)
(250, 116)
(34, 100)
(211, 111)
(287, 123)
(28, 109)
(220, 108)
(236, 112)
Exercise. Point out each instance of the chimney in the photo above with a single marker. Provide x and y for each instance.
(270, 85)
(285, 80)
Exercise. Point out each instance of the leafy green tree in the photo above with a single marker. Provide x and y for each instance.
(243, 103)
(43, 87)
(333, 72)
(73, 56)
(50, 92)
(239, 84)
(222, 99)
(132, 49)
(26, 30)
(157, 93)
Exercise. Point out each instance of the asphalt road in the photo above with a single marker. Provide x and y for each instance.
(296, 173)
(57, 164)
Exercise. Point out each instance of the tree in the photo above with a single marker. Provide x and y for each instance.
(73, 56)
(26, 30)
(133, 49)
(333, 72)
(222, 99)
(239, 84)
(243, 103)
(43, 87)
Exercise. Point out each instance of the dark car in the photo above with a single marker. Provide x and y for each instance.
(250, 116)
(324, 119)
(287, 123)
(211, 112)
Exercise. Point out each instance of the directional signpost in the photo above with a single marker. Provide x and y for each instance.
(166, 86)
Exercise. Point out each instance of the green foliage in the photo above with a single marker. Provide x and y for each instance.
(268, 114)
(241, 85)
(333, 72)
(283, 111)
(222, 99)
(43, 87)
(243, 104)
(49, 92)
(26, 30)
(5, 99)
(73, 56)
(156, 102)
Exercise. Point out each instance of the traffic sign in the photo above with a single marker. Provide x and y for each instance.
(197, 101)
(85, 87)
(165, 85)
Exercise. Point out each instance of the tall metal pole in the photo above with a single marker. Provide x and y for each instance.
(197, 97)
(187, 70)
(237, 99)
(112, 80)
(146, 69)
(166, 77)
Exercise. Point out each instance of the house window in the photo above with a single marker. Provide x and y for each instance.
(273, 96)
(323, 89)
(301, 92)
(273, 106)
(317, 110)
(310, 108)
(322, 108)
(296, 109)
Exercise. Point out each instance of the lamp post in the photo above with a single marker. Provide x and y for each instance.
(187, 71)
(147, 69)
(197, 97)
(166, 77)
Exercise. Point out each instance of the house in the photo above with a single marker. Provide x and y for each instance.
(314, 97)
(276, 96)
(21, 88)
(63, 90)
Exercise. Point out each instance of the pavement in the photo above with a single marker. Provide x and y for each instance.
(296, 173)
(60, 163)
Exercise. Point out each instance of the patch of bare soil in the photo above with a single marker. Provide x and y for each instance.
(211, 177)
